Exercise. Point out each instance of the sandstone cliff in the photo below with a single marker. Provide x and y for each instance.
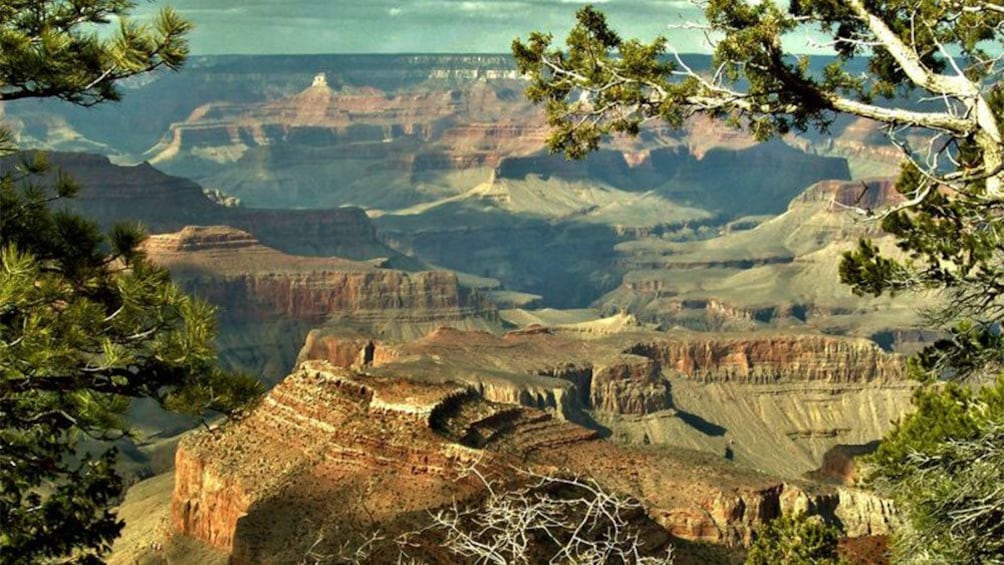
(747, 398)
(253, 283)
(331, 453)
(330, 448)
(768, 358)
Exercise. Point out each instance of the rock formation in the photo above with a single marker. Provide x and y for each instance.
(255, 286)
(749, 398)
(163, 203)
(782, 273)
(331, 453)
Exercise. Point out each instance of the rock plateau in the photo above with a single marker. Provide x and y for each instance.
(257, 287)
(331, 453)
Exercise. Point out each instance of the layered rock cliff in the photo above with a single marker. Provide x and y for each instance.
(768, 359)
(252, 283)
(746, 398)
(331, 454)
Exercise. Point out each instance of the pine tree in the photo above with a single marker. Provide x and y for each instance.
(87, 323)
(934, 70)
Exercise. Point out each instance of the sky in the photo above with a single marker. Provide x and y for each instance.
(411, 26)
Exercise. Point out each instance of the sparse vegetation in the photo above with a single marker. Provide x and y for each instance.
(944, 466)
(550, 520)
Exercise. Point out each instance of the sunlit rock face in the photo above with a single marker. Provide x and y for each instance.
(258, 289)
(251, 281)
(333, 453)
(775, 402)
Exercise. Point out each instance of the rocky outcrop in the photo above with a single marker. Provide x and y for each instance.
(269, 301)
(629, 384)
(332, 453)
(340, 348)
(774, 359)
(322, 440)
(626, 374)
(868, 194)
(743, 397)
(253, 283)
(320, 422)
(859, 512)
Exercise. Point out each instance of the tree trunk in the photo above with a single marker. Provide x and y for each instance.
(988, 137)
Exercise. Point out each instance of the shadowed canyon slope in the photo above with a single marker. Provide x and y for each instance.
(163, 203)
(781, 273)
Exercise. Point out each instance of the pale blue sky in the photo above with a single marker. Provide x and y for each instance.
(396, 26)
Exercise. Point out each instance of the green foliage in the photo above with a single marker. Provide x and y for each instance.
(944, 467)
(51, 48)
(87, 323)
(794, 539)
(600, 84)
(589, 59)
(950, 241)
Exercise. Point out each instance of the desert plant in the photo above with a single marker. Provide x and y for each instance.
(795, 539)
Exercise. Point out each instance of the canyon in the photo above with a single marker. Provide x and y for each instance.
(427, 291)
(750, 397)
(448, 159)
(780, 273)
(162, 203)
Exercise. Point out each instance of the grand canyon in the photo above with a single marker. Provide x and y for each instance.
(426, 291)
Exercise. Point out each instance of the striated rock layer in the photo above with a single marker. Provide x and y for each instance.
(331, 453)
(254, 284)
(775, 402)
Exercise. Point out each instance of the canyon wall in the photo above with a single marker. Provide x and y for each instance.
(111, 193)
(330, 454)
(782, 273)
(255, 286)
(768, 359)
(774, 402)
